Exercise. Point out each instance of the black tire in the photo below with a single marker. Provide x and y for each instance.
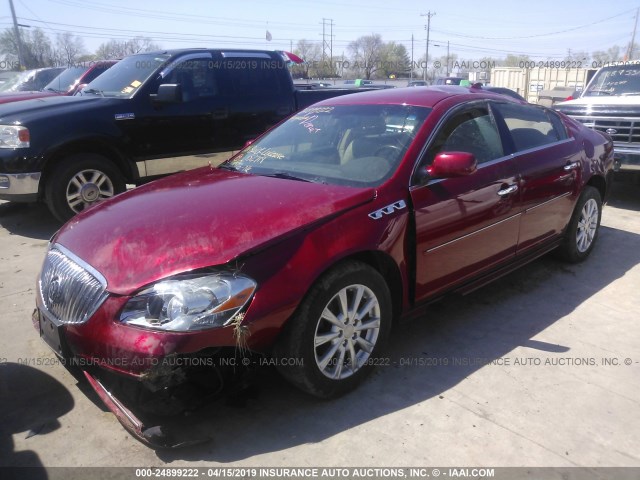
(299, 356)
(582, 231)
(89, 166)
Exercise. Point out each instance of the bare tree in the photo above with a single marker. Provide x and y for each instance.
(311, 54)
(123, 48)
(36, 47)
(367, 54)
(68, 49)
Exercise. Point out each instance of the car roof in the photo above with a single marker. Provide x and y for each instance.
(420, 97)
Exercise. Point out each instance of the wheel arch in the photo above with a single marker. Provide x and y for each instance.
(600, 184)
(92, 146)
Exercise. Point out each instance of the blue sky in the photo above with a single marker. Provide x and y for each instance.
(542, 29)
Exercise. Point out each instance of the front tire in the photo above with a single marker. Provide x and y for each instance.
(79, 181)
(582, 230)
(335, 337)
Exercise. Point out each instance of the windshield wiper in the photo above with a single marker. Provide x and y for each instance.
(629, 93)
(224, 166)
(285, 175)
(53, 90)
(93, 91)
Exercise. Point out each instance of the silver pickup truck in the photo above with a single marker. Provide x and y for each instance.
(611, 104)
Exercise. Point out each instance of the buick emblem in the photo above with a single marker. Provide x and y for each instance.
(611, 131)
(54, 292)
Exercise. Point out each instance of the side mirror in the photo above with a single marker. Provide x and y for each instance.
(452, 164)
(77, 88)
(168, 93)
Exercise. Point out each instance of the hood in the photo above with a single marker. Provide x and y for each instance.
(38, 108)
(8, 97)
(204, 217)
(602, 100)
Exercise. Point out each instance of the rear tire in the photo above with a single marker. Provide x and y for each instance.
(582, 230)
(335, 337)
(80, 181)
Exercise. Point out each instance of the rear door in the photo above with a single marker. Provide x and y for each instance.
(464, 225)
(548, 164)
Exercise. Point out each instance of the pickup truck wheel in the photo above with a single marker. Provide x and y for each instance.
(582, 230)
(335, 337)
(79, 181)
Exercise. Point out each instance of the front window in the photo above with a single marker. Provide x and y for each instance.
(126, 76)
(353, 145)
(623, 80)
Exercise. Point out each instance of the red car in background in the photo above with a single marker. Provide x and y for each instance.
(306, 245)
(66, 82)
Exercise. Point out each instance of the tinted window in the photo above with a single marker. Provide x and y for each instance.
(530, 126)
(252, 76)
(470, 130)
(196, 76)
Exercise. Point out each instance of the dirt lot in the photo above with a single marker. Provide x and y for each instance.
(540, 369)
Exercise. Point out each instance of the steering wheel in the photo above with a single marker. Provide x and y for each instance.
(388, 152)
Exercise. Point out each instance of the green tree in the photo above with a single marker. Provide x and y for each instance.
(395, 61)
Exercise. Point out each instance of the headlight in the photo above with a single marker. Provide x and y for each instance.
(190, 303)
(14, 136)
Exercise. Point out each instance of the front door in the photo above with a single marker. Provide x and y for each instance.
(464, 225)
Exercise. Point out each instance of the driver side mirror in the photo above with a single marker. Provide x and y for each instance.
(452, 164)
(168, 93)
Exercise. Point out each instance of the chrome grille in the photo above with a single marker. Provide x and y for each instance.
(71, 291)
(620, 129)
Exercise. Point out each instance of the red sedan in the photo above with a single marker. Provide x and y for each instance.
(307, 245)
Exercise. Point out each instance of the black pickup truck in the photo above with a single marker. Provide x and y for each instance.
(150, 115)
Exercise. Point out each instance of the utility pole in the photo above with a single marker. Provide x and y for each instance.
(17, 34)
(427, 27)
(633, 39)
(412, 56)
(447, 58)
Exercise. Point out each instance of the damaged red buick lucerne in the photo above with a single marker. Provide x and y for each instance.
(314, 238)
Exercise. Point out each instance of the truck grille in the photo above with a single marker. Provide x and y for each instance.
(620, 129)
(71, 291)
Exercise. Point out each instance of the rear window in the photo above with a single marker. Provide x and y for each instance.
(530, 126)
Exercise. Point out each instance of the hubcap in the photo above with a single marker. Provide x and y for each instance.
(87, 187)
(587, 225)
(347, 332)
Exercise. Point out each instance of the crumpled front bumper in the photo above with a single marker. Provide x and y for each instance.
(155, 436)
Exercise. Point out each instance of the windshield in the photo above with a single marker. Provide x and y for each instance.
(66, 80)
(623, 80)
(14, 82)
(125, 77)
(7, 79)
(353, 145)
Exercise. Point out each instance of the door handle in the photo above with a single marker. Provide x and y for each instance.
(571, 166)
(508, 191)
